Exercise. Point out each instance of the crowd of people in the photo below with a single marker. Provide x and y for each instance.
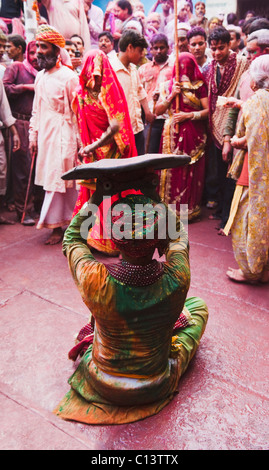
(189, 85)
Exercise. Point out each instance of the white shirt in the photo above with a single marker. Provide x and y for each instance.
(112, 54)
(95, 20)
(2, 71)
(133, 89)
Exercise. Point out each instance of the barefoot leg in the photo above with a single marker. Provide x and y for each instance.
(238, 276)
(55, 237)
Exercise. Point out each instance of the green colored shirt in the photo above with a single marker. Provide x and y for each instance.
(133, 325)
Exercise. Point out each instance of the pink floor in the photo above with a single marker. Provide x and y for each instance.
(223, 399)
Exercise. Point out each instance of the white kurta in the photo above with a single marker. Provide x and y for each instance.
(53, 125)
(95, 17)
(69, 17)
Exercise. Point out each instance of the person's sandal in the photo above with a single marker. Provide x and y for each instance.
(211, 204)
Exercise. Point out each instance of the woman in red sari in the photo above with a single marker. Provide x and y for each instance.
(99, 100)
(184, 133)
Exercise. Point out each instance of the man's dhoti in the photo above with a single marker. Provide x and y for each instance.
(57, 208)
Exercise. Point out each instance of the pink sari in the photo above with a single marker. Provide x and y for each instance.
(27, 64)
(184, 185)
(95, 110)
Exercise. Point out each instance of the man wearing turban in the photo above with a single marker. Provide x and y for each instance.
(53, 131)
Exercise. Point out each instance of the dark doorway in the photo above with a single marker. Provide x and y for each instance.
(261, 8)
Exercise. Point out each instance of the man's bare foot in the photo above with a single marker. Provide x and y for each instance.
(238, 276)
(55, 237)
(4, 221)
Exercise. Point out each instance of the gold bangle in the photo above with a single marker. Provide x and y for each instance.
(227, 140)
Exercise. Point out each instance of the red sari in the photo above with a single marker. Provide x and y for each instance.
(94, 111)
(184, 185)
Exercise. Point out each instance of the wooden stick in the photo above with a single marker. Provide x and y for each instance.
(28, 189)
(176, 60)
(155, 99)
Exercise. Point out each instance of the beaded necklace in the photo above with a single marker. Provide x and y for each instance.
(136, 275)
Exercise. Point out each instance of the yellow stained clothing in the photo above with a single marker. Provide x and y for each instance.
(250, 228)
(133, 367)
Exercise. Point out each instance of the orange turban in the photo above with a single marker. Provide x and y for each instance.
(49, 34)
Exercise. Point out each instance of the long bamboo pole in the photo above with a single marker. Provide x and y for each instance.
(28, 188)
(155, 99)
(176, 59)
